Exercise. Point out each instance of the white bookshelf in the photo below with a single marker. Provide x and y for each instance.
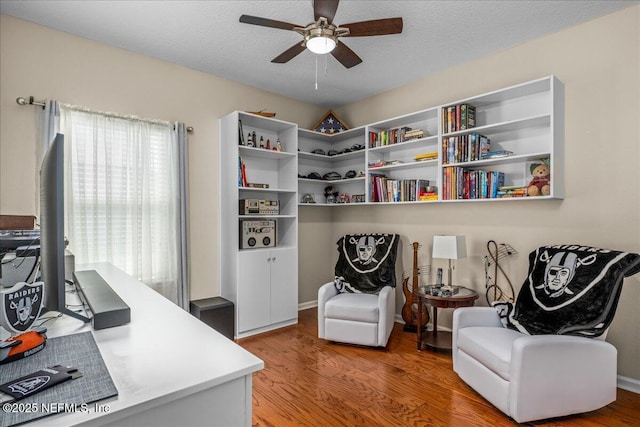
(341, 163)
(526, 119)
(262, 282)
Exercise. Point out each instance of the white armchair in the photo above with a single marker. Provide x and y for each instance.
(356, 318)
(552, 359)
(364, 312)
(531, 377)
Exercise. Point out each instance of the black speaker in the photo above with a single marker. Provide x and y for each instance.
(216, 312)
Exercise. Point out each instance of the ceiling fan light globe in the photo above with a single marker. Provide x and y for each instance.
(321, 45)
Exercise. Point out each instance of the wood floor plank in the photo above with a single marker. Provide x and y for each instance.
(311, 382)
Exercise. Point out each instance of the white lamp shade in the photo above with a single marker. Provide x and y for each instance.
(321, 45)
(449, 247)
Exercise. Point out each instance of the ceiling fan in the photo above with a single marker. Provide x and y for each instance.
(321, 36)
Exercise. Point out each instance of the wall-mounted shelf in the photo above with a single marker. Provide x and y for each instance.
(526, 120)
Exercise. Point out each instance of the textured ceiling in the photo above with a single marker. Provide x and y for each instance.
(207, 36)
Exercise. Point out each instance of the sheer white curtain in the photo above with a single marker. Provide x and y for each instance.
(121, 191)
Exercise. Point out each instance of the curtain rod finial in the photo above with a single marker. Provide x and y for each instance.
(22, 101)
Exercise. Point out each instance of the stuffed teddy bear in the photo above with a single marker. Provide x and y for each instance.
(540, 184)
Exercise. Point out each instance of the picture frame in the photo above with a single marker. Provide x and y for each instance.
(330, 123)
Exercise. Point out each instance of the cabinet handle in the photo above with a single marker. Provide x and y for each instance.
(273, 259)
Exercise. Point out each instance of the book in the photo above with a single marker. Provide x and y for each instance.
(496, 154)
(428, 196)
(413, 134)
(485, 145)
(451, 118)
(496, 182)
(467, 116)
(422, 188)
(458, 117)
(426, 156)
(240, 133)
(462, 183)
(242, 173)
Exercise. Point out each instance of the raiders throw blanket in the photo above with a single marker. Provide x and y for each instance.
(571, 290)
(366, 262)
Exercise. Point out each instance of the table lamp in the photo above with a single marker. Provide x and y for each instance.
(449, 247)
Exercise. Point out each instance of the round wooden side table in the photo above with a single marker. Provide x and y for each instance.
(434, 339)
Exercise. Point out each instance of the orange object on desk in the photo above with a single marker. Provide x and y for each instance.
(23, 345)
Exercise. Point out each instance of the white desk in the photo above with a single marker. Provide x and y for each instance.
(170, 369)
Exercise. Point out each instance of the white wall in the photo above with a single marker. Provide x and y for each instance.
(599, 64)
(597, 61)
(49, 64)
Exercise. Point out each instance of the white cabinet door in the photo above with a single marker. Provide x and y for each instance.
(254, 289)
(284, 284)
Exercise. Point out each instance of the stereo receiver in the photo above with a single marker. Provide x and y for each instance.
(259, 207)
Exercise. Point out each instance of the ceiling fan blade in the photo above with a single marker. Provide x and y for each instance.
(376, 27)
(345, 56)
(265, 22)
(325, 9)
(289, 54)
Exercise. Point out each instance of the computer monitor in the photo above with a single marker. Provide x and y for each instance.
(52, 240)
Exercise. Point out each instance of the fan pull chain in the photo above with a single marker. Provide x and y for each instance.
(326, 68)
(326, 62)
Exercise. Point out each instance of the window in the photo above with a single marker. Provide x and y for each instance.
(121, 203)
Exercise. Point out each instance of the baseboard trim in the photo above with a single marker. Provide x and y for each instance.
(307, 305)
(629, 384)
(267, 328)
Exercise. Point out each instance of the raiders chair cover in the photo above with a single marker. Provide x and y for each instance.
(358, 307)
(570, 290)
(529, 370)
(366, 262)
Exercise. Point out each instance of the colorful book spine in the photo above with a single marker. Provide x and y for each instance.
(467, 116)
(458, 117)
(460, 183)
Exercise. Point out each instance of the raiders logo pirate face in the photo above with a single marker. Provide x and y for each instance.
(21, 306)
(365, 253)
(557, 288)
(559, 272)
(558, 278)
(366, 262)
(366, 249)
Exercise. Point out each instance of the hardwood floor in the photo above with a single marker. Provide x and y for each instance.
(311, 382)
